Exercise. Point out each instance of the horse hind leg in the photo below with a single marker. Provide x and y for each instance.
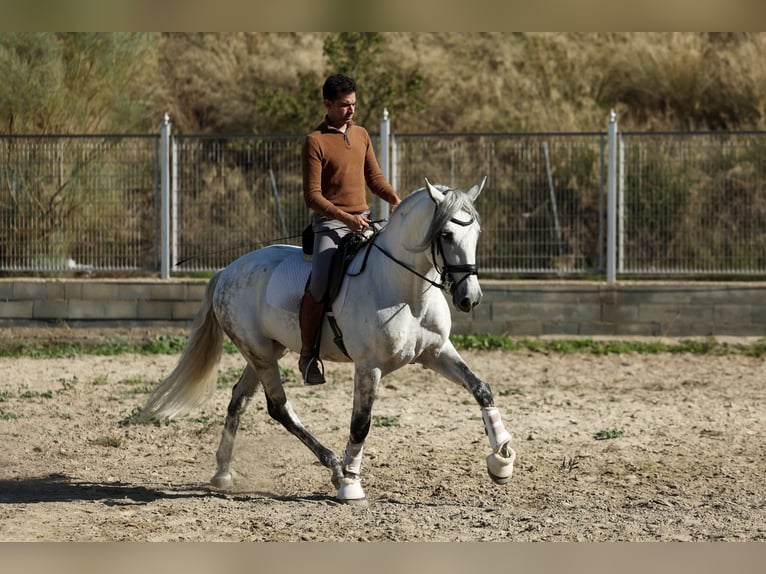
(240, 397)
(281, 410)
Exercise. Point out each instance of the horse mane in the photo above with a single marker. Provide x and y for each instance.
(454, 202)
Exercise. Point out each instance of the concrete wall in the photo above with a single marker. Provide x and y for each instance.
(672, 309)
(518, 308)
(99, 302)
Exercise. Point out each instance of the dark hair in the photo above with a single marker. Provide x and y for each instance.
(337, 85)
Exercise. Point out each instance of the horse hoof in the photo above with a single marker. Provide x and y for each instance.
(358, 502)
(223, 481)
(498, 479)
(500, 468)
(350, 492)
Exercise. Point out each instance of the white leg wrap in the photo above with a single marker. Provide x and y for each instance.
(350, 489)
(494, 425)
(500, 468)
(352, 459)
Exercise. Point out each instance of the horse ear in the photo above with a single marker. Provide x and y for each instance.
(476, 189)
(435, 194)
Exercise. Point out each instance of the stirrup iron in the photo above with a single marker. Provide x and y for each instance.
(312, 370)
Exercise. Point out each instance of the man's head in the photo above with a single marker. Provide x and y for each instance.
(339, 94)
(338, 85)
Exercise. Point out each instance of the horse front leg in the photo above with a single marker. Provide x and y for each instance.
(365, 390)
(448, 362)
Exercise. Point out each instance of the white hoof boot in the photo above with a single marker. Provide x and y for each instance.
(350, 492)
(222, 480)
(500, 468)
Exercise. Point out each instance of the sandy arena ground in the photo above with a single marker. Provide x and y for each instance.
(685, 461)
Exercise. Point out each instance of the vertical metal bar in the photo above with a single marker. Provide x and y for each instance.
(611, 201)
(156, 185)
(621, 206)
(601, 205)
(275, 191)
(385, 132)
(552, 193)
(165, 198)
(174, 201)
(394, 163)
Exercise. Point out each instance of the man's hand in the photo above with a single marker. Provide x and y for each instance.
(355, 222)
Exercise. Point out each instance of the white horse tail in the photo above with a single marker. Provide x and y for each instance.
(195, 375)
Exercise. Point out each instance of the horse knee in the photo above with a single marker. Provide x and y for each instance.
(360, 426)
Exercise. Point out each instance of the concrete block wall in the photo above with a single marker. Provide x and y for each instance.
(640, 308)
(517, 308)
(99, 302)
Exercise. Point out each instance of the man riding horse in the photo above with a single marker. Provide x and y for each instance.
(337, 161)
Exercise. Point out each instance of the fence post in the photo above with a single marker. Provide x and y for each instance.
(381, 211)
(165, 197)
(621, 204)
(611, 200)
(173, 202)
(394, 163)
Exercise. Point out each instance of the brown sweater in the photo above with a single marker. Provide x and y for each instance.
(336, 166)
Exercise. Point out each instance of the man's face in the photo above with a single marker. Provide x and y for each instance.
(341, 110)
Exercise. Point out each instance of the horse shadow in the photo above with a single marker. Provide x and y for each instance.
(58, 487)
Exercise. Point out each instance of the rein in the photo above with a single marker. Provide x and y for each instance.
(445, 282)
(441, 286)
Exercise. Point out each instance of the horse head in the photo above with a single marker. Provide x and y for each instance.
(445, 221)
(453, 237)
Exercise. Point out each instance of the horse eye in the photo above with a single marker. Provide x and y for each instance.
(448, 235)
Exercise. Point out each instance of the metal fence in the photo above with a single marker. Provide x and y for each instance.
(233, 195)
(692, 203)
(70, 202)
(683, 203)
(542, 207)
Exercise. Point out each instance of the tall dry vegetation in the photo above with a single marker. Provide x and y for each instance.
(438, 82)
(56, 82)
(496, 82)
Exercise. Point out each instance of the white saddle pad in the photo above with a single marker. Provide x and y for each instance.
(288, 282)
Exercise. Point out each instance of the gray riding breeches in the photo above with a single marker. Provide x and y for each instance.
(327, 235)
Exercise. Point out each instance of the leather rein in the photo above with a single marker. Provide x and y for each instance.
(446, 281)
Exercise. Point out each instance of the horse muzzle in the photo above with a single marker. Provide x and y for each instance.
(466, 292)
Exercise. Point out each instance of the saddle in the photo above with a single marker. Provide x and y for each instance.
(348, 247)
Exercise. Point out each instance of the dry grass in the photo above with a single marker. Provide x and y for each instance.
(500, 81)
(217, 83)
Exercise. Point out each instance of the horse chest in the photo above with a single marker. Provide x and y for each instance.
(406, 331)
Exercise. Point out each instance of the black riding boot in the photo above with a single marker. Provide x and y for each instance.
(310, 320)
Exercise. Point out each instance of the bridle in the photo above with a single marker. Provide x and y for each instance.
(446, 271)
(446, 281)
